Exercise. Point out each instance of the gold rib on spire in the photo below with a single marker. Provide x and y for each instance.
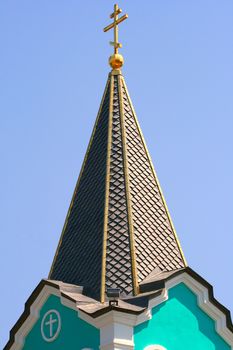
(128, 195)
(155, 176)
(116, 61)
(107, 186)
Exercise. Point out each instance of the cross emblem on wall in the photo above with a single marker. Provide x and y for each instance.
(50, 325)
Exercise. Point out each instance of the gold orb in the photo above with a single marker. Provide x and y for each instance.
(116, 61)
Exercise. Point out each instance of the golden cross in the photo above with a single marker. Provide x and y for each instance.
(114, 25)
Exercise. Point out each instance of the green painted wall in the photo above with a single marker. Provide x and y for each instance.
(75, 333)
(179, 324)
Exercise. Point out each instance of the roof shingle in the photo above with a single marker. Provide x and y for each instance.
(118, 228)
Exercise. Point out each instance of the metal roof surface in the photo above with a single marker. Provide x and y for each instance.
(118, 229)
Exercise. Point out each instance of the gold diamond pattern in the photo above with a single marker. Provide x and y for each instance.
(155, 242)
(118, 264)
(79, 258)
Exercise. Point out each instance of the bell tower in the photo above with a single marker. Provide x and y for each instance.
(119, 279)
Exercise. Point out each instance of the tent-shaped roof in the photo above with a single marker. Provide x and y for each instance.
(118, 230)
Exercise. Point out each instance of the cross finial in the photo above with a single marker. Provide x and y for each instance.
(116, 61)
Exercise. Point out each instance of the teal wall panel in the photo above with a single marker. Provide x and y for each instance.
(75, 334)
(179, 324)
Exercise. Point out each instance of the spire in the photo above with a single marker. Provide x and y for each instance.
(118, 230)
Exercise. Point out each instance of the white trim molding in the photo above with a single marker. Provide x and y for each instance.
(116, 327)
(154, 347)
(33, 316)
(116, 336)
(205, 304)
(203, 300)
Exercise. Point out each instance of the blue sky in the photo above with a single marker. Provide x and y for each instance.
(53, 68)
